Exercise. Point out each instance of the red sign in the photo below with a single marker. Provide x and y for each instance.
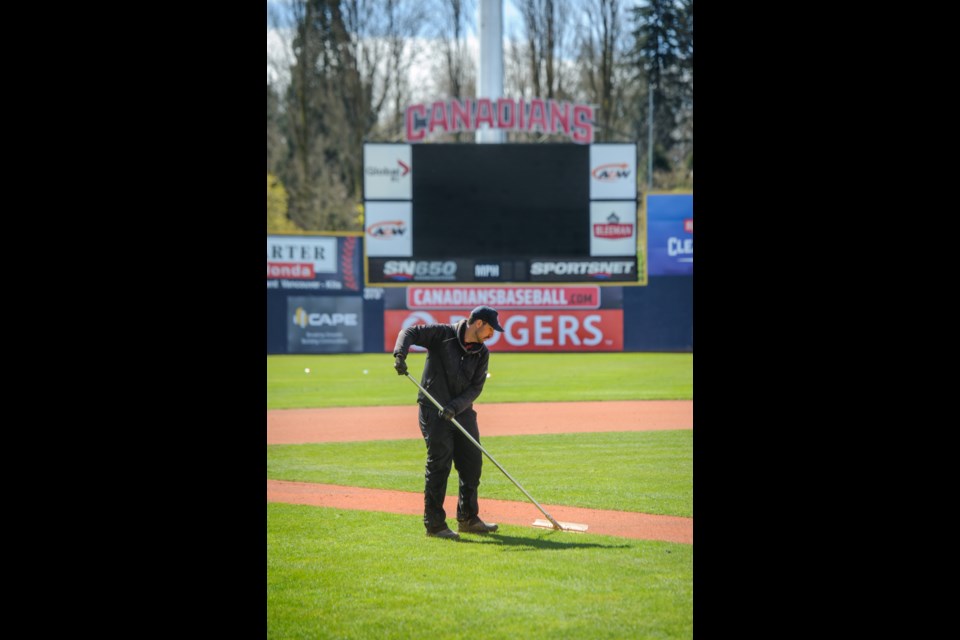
(290, 270)
(613, 231)
(503, 297)
(541, 330)
(536, 114)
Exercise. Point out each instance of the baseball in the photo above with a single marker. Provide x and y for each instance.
(307, 370)
(365, 372)
(488, 374)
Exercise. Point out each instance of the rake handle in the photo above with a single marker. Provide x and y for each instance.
(556, 525)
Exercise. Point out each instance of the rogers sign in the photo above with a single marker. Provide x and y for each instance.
(546, 330)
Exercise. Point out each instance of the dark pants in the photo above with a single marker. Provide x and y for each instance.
(445, 445)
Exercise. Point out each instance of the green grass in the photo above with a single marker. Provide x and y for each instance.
(339, 381)
(342, 574)
(350, 574)
(646, 471)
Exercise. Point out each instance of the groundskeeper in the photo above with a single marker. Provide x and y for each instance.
(454, 374)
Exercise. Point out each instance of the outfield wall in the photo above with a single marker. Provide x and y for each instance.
(318, 300)
(657, 317)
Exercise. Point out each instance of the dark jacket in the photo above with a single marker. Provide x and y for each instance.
(453, 374)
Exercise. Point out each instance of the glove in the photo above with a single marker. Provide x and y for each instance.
(445, 413)
(400, 364)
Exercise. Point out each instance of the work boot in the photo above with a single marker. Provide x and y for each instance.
(443, 532)
(475, 525)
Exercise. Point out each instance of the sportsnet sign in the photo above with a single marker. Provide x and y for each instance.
(567, 270)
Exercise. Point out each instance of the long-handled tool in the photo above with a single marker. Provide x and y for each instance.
(564, 526)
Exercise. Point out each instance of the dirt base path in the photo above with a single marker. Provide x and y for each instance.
(295, 426)
(612, 523)
(350, 424)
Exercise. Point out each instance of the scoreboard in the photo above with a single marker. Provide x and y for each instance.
(501, 213)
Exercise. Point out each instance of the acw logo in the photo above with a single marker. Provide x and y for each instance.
(611, 172)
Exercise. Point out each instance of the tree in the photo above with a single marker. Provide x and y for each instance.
(276, 140)
(452, 63)
(601, 60)
(663, 55)
(403, 43)
(547, 30)
(277, 220)
(347, 79)
(314, 122)
(345, 56)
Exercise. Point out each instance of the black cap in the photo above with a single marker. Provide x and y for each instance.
(488, 315)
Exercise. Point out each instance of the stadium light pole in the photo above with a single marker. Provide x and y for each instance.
(490, 76)
(649, 136)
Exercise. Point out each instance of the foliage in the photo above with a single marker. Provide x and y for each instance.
(663, 57)
(348, 80)
(277, 220)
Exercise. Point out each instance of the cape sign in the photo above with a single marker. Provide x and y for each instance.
(547, 116)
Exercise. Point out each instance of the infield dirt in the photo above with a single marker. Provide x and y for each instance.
(298, 426)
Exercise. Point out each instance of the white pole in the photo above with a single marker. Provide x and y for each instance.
(649, 136)
(490, 76)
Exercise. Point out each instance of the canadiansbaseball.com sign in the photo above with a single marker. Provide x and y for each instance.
(546, 330)
(503, 297)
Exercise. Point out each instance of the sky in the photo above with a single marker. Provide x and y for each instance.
(512, 23)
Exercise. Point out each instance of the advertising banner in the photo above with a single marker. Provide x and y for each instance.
(534, 318)
(317, 263)
(503, 297)
(388, 229)
(324, 324)
(600, 270)
(613, 172)
(670, 234)
(539, 330)
(613, 228)
(387, 172)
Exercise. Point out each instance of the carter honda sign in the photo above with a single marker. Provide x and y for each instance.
(300, 258)
(327, 263)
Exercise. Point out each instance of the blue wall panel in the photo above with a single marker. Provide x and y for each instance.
(659, 316)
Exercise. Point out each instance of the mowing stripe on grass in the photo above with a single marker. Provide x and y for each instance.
(355, 575)
(646, 472)
(363, 379)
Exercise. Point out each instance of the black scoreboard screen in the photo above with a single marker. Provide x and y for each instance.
(500, 213)
(479, 201)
